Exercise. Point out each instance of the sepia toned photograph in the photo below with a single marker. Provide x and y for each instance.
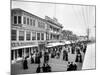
(52, 37)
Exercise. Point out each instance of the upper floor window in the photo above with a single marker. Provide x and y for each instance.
(28, 36)
(41, 25)
(33, 22)
(24, 20)
(13, 35)
(42, 36)
(15, 19)
(19, 19)
(21, 35)
(47, 36)
(33, 35)
(30, 21)
(38, 36)
(27, 21)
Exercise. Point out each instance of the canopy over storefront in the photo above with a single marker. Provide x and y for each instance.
(60, 43)
(55, 44)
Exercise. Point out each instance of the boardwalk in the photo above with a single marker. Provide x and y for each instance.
(57, 65)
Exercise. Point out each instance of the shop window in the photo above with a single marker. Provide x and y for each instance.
(20, 52)
(15, 54)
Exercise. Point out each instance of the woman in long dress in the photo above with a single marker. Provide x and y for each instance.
(25, 64)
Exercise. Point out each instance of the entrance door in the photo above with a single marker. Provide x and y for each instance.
(41, 47)
(15, 54)
(20, 52)
(12, 54)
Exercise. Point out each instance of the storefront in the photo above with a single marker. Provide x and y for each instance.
(18, 52)
(41, 46)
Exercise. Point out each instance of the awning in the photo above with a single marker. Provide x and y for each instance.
(13, 48)
(66, 42)
(54, 44)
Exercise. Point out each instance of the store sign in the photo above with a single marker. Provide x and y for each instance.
(17, 44)
(41, 42)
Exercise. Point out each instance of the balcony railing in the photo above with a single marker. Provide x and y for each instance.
(55, 32)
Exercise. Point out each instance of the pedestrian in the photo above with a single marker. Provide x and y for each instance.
(64, 55)
(85, 47)
(40, 54)
(77, 58)
(38, 69)
(80, 58)
(48, 68)
(45, 57)
(25, 64)
(74, 67)
(44, 67)
(36, 59)
(71, 66)
(73, 50)
(68, 68)
(32, 60)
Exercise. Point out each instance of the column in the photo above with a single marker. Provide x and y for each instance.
(25, 36)
(35, 35)
(17, 35)
(17, 53)
(22, 52)
(31, 36)
(49, 36)
(32, 50)
(14, 55)
(22, 19)
(29, 52)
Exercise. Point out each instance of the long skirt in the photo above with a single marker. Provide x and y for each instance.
(32, 60)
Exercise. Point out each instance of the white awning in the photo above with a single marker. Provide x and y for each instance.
(13, 48)
(67, 42)
(54, 44)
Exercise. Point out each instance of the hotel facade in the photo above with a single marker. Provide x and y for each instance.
(30, 33)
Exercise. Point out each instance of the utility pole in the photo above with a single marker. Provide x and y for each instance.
(88, 30)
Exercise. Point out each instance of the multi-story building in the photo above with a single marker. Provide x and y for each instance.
(30, 32)
(54, 29)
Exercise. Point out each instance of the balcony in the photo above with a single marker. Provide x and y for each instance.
(54, 32)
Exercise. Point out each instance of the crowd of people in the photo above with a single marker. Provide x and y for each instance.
(55, 52)
(71, 66)
(45, 68)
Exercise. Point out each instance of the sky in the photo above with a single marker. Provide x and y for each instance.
(72, 17)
